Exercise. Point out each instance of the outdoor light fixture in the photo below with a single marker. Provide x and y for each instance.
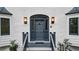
(52, 20)
(25, 20)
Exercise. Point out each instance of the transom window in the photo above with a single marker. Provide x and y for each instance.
(5, 26)
(73, 26)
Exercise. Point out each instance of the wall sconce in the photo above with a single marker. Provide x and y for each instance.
(52, 20)
(25, 20)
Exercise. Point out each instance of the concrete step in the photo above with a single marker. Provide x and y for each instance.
(39, 45)
(38, 49)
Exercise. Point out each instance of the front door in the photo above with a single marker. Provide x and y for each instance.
(40, 25)
(39, 28)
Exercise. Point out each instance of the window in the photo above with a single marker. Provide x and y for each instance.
(5, 26)
(73, 26)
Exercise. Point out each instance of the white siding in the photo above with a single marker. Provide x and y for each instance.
(74, 39)
(5, 39)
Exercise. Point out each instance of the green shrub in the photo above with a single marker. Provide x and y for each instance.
(13, 46)
(65, 46)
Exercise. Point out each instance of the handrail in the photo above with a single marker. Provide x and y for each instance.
(52, 41)
(25, 42)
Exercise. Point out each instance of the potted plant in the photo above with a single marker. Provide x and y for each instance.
(65, 46)
(13, 46)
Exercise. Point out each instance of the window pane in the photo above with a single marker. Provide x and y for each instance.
(73, 26)
(46, 21)
(5, 30)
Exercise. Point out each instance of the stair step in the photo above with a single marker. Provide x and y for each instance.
(38, 49)
(39, 45)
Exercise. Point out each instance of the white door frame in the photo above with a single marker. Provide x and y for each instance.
(38, 41)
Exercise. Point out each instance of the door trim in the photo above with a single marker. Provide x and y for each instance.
(48, 30)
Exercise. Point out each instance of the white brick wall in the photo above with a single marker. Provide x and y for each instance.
(18, 26)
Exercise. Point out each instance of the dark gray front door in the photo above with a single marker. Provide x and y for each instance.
(39, 29)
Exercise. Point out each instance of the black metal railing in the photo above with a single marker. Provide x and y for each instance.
(25, 41)
(53, 40)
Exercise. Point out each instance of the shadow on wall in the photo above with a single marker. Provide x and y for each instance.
(6, 48)
(75, 48)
